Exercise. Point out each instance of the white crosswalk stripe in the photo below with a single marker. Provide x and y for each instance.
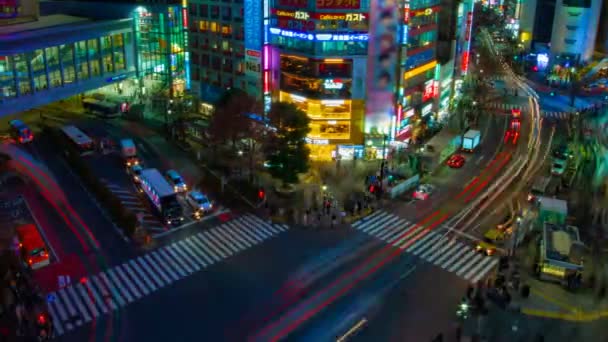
(429, 245)
(123, 284)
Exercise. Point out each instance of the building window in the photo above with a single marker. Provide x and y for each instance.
(571, 27)
(215, 12)
(203, 10)
(226, 13)
(203, 25)
(570, 41)
(226, 30)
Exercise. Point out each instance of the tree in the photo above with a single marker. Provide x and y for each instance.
(286, 152)
(229, 121)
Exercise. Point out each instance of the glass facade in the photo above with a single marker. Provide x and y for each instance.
(161, 43)
(55, 66)
(326, 48)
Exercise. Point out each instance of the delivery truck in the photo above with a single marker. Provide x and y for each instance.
(470, 140)
(128, 151)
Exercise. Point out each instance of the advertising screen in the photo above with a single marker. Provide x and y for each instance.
(381, 75)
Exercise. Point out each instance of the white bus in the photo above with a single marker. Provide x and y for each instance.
(81, 141)
(161, 195)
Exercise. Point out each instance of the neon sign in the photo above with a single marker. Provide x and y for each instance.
(333, 84)
(301, 15)
(361, 37)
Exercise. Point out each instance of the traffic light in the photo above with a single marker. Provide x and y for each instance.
(372, 188)
(261, 194)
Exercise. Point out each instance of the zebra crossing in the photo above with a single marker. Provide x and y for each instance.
(121, 285)
(449, 254)
(131, 201)
(508, 106)
(555, 115)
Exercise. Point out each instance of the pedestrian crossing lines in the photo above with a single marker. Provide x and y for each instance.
(555, 115)
(501, 105)
(449, 254)
(116, 287)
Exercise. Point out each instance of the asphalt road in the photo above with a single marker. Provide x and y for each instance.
(223, 302)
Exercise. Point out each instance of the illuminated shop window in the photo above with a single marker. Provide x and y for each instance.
(330, 129)
(320, 109)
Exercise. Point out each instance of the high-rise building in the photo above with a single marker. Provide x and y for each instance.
(418, 87)
(226, 41)
(45, 58)
(317, 59)
(575, 29)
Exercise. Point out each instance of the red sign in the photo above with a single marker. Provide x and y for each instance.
(406, 14)
(428, 91)
(338, 4)
(297, 25)
(293, 3)
(464, 66)
(253, 53)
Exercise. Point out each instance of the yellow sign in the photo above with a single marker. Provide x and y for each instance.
(301, 15)
(428, 11)
(286, 14)
(355, 17)
(419, 70)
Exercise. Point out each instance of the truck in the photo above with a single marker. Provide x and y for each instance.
(162, 196)
(552, 210)
(470, 140)
(128, 151)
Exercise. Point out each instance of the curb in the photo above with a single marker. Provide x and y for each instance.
(577, 316)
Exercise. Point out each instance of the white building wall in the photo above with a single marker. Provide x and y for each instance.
(575, 30)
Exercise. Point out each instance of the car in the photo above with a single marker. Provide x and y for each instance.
(21, 132)
(562, 153)
(485, 247)
(455, 161)
(423, 191)
(176, 181)
(32, 246)
(199, 202)
(511, 136)
(558, 168)
(135, 172)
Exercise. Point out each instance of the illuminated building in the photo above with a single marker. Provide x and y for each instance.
(226, 40)
(160, 30)
(45, 58)
(575, 28)
(418, 86)
(317, 60)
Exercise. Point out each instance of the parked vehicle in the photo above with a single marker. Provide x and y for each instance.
(135, 172)
(471, 140)
(176, 180)
(128, 152)
(32, 246)
(455, 161)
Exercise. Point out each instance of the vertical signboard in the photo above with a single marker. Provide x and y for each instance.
(381, 65)
(253, 24)
(464, 67)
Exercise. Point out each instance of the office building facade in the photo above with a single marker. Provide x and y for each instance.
(50, 57)
(418, 88)
(316, 59)
(226, 46)
(575, 27)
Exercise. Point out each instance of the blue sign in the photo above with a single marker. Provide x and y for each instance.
(418, 59)
(253, 25)
(50, 298)
(360, 37)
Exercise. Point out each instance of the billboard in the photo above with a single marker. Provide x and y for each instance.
(253, 25)
(382, 65)
(338, 4)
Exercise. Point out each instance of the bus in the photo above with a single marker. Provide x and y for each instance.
(20, 131)
(81, 141)
(102, 108)
(162, 196)
(32, 247)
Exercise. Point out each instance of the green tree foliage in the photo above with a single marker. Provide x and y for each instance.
(229, 121)
(286, 152)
